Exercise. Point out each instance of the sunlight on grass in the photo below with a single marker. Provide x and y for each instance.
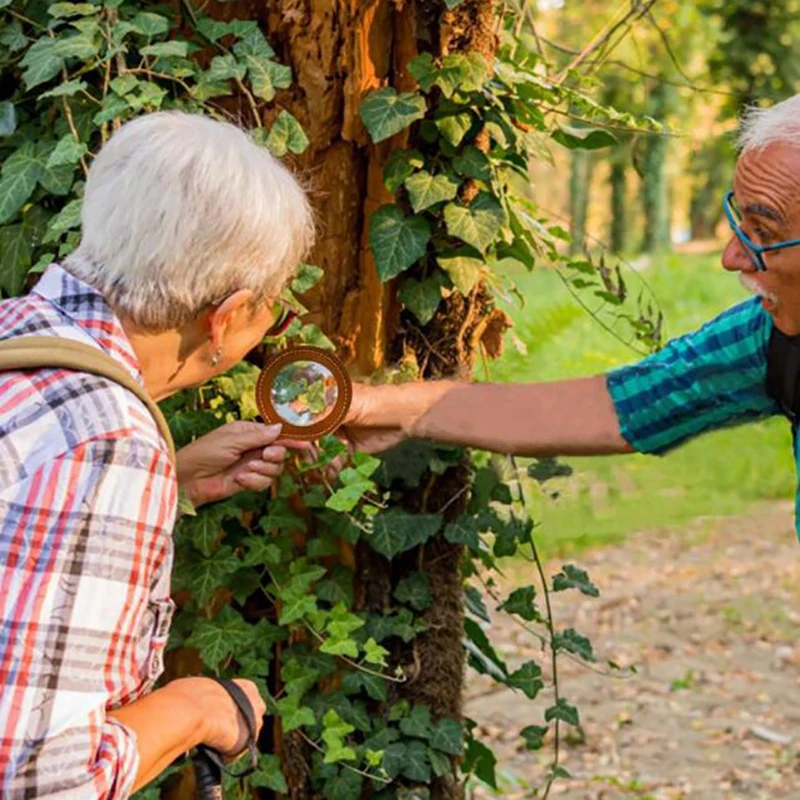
(721, 473)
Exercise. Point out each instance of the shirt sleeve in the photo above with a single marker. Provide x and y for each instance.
(711, 378)
(85, 544)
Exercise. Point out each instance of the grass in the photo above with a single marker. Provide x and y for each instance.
(721, 473)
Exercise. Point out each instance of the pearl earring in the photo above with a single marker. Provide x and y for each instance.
(216, 357)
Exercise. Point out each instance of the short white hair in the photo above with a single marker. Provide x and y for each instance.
(180, 211)
(764, 126)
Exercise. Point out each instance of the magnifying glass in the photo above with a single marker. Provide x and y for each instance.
(306, 389)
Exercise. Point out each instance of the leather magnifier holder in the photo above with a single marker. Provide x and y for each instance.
(305, 389)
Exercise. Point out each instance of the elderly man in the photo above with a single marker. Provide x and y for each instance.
(189, 233)
(713, 377)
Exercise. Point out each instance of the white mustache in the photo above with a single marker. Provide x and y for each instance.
(756, 288)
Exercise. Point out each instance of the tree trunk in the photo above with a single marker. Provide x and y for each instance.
(619, 203)
(339, 50)
(579, 184)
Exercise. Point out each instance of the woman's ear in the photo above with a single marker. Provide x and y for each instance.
(226, 315)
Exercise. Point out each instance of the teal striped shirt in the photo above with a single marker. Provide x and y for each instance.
(711, 378)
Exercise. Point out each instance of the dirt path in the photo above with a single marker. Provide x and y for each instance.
(710, 618)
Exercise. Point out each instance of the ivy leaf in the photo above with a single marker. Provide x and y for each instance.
(463, 271)
(374, 653)
(527, 678)
(426, 190)
(21, 172)
(421, 298)
(286, 136)
(481, 761)
(44, 57)
(266, 76)
(397, 241)
(415, 591)
(418, 723)
(346, 785)
(584, 138)
(465, 71)
(472, 163)
(173, 49)
(67, 219)
(205, 528)
(464, 531)
(475, 605)
(204, 576)
(394, 758)
(454, 127)
(424, 71)
(282, 519)
(12, 35)
(15, 258)
(573, 642)
(338, 588)
(395, 531)
(307, 275)
(348, 497)
(217, 639)
(268, 774)
(260, 552)
(416, 766)
(441, 764)
(293, 715)
(482, 656)
(333, 733)
(385, 112)
(534, 736)
(150, 24)
(572, 577)
(252, 41)
(224, 68)
(522, 603)
(564, 711)
(476, 224)
(400, 165)
(8, 118)
(376, 687)
(448, 736)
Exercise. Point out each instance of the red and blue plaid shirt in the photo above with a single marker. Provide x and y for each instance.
(87, 505)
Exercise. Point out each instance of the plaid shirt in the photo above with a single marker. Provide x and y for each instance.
(711, 378)
(87, 505)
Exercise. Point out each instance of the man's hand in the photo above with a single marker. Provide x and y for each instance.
(239, 455)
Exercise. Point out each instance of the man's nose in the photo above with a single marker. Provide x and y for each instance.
(735, 258)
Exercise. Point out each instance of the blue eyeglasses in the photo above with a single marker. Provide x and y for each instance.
(753, 250)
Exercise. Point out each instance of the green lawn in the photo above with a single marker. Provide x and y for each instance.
(721, 473)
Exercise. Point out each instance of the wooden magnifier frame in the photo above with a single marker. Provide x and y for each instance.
(331, 421)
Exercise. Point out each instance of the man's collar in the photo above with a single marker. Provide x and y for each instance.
(86, 308)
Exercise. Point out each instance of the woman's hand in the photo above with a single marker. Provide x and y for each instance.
(237, 456)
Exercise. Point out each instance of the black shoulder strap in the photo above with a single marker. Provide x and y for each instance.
(783, 373)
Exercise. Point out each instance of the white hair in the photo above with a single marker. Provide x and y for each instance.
(764, 126)
(181, 210)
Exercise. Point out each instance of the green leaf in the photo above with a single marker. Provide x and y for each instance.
(534, 736)
(333, 734)
(338, 588)
(346, 785)
(296, 608)
(425, 190)
(8, 118)
(454, 127)
(151, 24)
(205, 528)
(522, 603)
(217, 639)
(68, 151)
(281, 518)
(417, 766)
(472, 163)
(16, 253)
(260, 552)
(173, 49)
(252, 42)
(395, 758)
(224, 68)
(564, 711)
(397, 241)
(424, 71)
(415, 590)
(473, 602)
(113, 108)
(481, 761)
(463, 271)
(376, 687)
(268, 774)
(204, 576)
(21, 172)
(306, 276)
(385, 112)
(400, 165)
(418, 723)
(441, 764)
(477, 224)
(448, 736)
(65, 89)
(63, 10)
(573, 642)
(374, 653)
(293, 715)
(67, 219)
(340, 647)
(528, 678)
(488, 662)
(266, 76)
(348, 497)
(12, 35)
(396, 531)
(286, 136)
(421, 298)
(465, 71)
(584, 138)
(464, 531)
(572, 577)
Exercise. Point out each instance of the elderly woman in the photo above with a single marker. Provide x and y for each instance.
(189, 233)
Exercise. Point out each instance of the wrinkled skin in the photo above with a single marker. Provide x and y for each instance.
(767, 190)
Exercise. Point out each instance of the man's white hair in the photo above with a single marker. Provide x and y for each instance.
(181, 210)
(764, 126)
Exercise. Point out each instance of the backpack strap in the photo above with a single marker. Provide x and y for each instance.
(44, 352)
(783, 373)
